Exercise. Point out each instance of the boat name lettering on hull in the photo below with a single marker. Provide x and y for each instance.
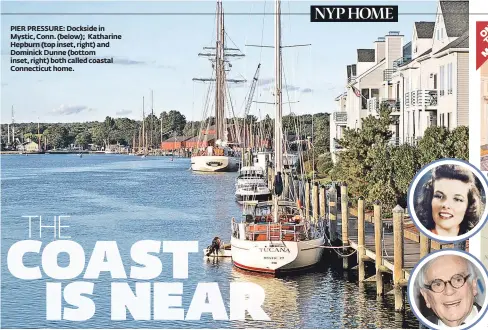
(279, 249)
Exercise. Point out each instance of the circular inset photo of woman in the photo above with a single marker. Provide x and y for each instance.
(447, 290)
(446, 200)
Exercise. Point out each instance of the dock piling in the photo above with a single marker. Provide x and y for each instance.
(315, 201)
(378, 226)
(345, 223)
(323, 201)
(332, 213)
(307, 199)
(361, 240)
(424, 245)
(398, 257)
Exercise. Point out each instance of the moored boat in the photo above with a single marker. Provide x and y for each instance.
(275, 237)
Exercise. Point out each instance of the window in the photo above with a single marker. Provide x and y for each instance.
(441, 82)
(408, 123)
(449, 120)
(437, 34)
(375, 92)
(449, 78)
(435, 81)
(413, 122)
(398, 91)
(442, 34)
(364, 98)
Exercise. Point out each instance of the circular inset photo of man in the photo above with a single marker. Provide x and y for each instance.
(447, 290)
(446, 200)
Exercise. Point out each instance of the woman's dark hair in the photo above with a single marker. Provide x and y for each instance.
(423, 202)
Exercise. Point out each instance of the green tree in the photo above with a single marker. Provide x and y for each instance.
(57, 136)
(324, 164)
(458, 143)
(433, 145)
(98, 134)
(173, 122)
(361, 146)
(405, 163)
(83, 139)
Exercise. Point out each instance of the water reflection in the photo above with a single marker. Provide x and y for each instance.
(163, 200)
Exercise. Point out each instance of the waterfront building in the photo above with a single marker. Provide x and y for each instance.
(425, 82)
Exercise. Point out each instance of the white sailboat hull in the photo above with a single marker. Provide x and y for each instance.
(214, 164)
(276, 256)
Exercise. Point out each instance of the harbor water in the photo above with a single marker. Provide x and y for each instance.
(128, 199)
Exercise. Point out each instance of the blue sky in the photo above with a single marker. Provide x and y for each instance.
(159, 53)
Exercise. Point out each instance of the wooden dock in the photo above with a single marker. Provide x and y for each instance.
(360, 236)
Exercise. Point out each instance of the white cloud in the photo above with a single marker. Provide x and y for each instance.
(70, 109)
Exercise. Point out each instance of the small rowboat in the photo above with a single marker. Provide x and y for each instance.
(224, 252)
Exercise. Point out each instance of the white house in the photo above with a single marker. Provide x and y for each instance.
(365, 86)
(435, 83)
(425, 81)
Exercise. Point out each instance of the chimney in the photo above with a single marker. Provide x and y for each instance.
(379, 49)
(393, 47)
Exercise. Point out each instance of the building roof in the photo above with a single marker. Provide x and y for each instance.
(340, 96)
(426, 52)
(208, 137)
(461, 42)
(177, 139)
(425, 30)
(456, 17)
(366, 55)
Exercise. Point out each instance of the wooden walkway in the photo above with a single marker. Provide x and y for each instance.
(411, 248)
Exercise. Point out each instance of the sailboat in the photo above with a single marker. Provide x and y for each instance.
(275, 237)
(217, 155)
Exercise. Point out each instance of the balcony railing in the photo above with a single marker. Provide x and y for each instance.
(421, 98)
(372, 105)
(413, 140)
(387, 74)
(352, 78)
(340, 117)
(393, 104)
(401, 61)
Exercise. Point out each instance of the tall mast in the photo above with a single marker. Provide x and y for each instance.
(219, 59)
(223, 135)
(217, 73)
(143, 131)
(278, 102)
(13, 129)
(152, 116)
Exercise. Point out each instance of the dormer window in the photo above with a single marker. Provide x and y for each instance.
(442, 34)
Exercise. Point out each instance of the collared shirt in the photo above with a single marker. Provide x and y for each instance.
(467, 320)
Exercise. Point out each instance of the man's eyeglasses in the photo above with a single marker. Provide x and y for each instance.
(438, 285)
